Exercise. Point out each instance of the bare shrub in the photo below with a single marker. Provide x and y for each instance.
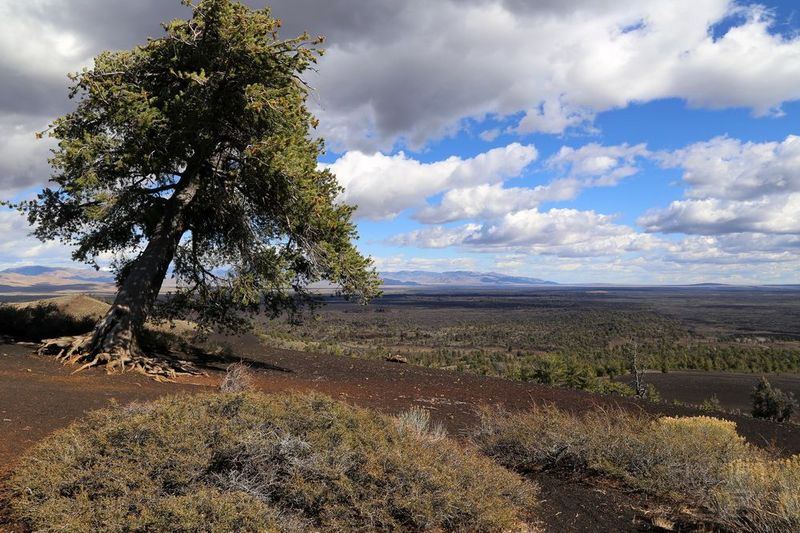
(238, 378)
(417, 422)
(256, 462)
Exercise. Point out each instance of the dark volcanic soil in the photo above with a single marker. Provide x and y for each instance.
(731, 389)
(38, 396)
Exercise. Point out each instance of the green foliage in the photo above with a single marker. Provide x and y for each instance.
(772, 403)
(252, 462)
(555, 338)
(215, 106)
(42, 321)
(699, 462)
(652, 393)
(711, 404)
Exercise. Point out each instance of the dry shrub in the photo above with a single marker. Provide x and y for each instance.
(700, 461)
(417, 422)
(237, 378)
(760, 495)
(255, 462)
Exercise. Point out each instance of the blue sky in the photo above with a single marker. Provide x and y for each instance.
(612, 141)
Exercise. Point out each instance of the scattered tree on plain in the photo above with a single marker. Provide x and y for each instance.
(771, 402)
(194, 150)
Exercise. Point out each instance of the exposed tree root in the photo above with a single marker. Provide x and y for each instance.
(77, 350)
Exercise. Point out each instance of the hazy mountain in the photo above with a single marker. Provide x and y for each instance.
(462, 278)
(42, 279)
(50, 280)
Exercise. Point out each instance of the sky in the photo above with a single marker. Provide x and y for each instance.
(579, 141)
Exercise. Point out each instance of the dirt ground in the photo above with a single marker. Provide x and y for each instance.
(38, 396)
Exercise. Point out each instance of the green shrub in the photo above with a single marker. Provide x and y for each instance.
(772, 403)
(711, 404)
(253, 462)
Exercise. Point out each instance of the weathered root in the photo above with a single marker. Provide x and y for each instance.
(77, 350)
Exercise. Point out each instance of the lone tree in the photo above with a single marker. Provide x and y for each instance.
(195, 150)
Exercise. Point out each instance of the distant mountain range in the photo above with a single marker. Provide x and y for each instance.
(48, 280)
(42, 279)
(458, 278)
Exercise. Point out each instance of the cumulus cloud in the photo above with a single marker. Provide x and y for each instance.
(422, 68)
(562, 232)
(490, 201)
(603, 165)
(382, 186)
(18, 247)
(591, 165)
(412, 71)
(731, 169)
(733, 187)
(712, 216)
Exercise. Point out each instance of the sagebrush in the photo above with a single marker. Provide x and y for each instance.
(255, 462)
(699, 462)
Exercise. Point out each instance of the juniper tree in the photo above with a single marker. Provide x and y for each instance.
(194, 150)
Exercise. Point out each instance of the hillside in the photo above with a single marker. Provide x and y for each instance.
(49, 280)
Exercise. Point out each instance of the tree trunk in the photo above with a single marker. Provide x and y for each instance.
(115, 339)
(118, 331)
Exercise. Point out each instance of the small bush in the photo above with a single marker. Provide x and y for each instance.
(253, 462)
(772, 403)
(711, 404)
(700, 461)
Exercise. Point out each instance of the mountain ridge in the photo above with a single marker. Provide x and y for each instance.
(466, 278)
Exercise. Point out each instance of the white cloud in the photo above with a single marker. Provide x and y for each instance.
(733, 187)
(735, 170)
(402, 262)
(562, 232)
(18, 247)
(491, 201)
(712, 216)
(591, 165)
(605, 165)
(553, 116)
(424, 67)
(382, 186)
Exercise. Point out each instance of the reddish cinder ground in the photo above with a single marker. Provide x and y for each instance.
(38, 396)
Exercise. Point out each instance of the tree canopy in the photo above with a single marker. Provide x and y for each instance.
(195, 150)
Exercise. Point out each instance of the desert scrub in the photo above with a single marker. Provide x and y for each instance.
(760, 495)
(675, 457)
(255, 462)
(698, 461)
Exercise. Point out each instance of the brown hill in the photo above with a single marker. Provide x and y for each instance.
(77, 306)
